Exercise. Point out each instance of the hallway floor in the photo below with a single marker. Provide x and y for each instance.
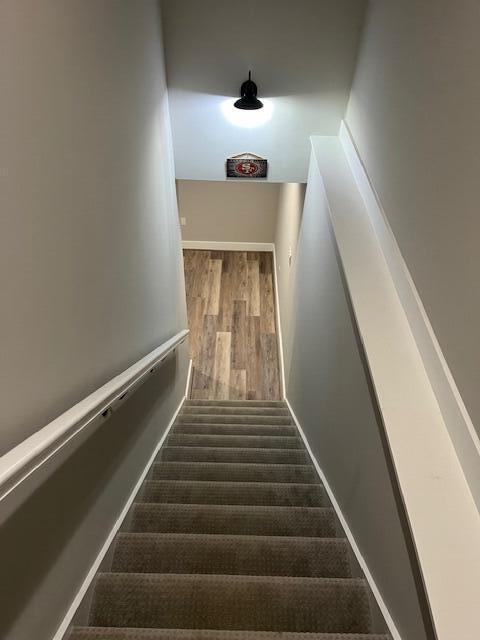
(231, 316)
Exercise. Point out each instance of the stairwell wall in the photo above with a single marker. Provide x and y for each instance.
(330, 395)
(413, 114)
(288, 222)
(91, 276)
(90, 263)
(233, 211)
(302, 55)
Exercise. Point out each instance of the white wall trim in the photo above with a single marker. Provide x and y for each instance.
(279, 326)
(189, 379)
(459, 424)
(348, 532)
(227, 246)
(69, 616)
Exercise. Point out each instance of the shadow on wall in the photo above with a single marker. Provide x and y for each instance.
(50, 543)
(330, 394)
(289, 219)
(302, 57)
(290, 48)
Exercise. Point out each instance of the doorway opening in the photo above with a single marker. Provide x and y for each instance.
(231, 316)
(238, 243)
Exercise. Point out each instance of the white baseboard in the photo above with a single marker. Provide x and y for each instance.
(279, 326)
(348, 532)
(227, 246)
(457, 419)
(189, 379)
(67, 621)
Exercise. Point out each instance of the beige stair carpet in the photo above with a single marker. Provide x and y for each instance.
(232, 537)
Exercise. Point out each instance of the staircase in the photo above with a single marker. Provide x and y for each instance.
(232, 538)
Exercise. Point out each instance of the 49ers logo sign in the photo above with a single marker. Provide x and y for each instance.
(246, 165)
(246, 168)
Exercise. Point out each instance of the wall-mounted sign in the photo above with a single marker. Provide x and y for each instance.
(246, 165)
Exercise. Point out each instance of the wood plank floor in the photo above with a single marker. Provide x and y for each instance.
(231, 316)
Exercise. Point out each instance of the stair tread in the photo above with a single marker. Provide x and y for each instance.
(232, 537)
(125, 633)
(240, 410)
(234, 454)
(221, 492)
(234, 418)
(243, 441)
(235, 472)
(235, 403)
(185, 420)
(231, 554)
(235, 429)
(267, 603)
(234, 519)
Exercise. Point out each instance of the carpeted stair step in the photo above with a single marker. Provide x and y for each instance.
(234, 454)
(232, 555)
(233, 520)
(243, 410)
(235, 403)
(236, 429)
(247, 493)
(231, 538)
(255, 442)
(260, 603)
(233, 472)
(114, 633)
(213, 418)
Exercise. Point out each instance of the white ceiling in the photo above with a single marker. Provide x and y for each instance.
(302, 55)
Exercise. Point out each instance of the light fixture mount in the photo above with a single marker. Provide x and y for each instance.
(248, 95)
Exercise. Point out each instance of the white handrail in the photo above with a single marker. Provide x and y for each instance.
(22, 461)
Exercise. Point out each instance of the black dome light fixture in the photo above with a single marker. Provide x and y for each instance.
(248, 93)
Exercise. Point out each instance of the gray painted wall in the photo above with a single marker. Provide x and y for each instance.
(48, 546)
(289, 219)
(91, 275)
(330, 395)
(90, 265)
(302, 55)
(228, 211)
(414, 115)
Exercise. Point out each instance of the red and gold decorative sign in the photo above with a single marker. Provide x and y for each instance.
(246, 165)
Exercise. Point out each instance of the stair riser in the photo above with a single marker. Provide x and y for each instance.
(232, 555)
(250, 493)
(230, 602)
(231, 472)
(234, 419)
(254, 442)
(257, 456)
(233, 520)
